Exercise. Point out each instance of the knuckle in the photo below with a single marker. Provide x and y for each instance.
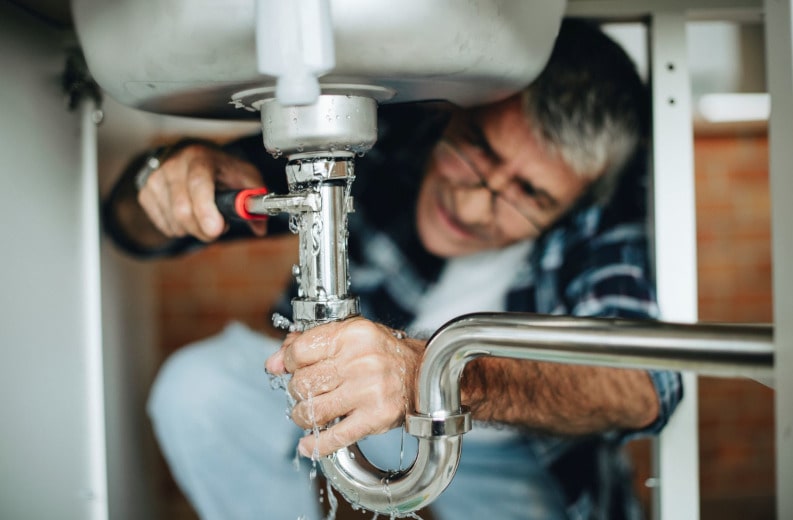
(198, 178)
(192, 149)
(203, 211)
(298, 390)
(382, 405)
(362, 327)
(364, 429)
(289, 359)
(375, 364)
(298, 417)
(199, 164)
(304, 414)
(156, 178)
(145, 198)
(337, 440)
(182, 210)
(187, 153)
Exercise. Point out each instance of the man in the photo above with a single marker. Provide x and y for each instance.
(532, 204)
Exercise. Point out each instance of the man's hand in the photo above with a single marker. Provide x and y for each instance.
(356, 370)
(179, 197)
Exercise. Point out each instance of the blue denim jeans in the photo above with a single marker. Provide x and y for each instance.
(231, 447)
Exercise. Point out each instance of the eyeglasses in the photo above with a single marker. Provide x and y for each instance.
(469, 164)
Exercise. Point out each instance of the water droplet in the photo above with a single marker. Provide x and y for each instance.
(281, 322)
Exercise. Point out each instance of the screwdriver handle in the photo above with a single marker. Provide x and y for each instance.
(232, 204)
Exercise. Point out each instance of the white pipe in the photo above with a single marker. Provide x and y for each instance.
(96, 494)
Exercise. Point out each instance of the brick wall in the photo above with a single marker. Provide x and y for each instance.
(199, 293)
(734, 264)
(736, 426)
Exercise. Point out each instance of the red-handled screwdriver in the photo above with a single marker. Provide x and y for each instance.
(233, 204)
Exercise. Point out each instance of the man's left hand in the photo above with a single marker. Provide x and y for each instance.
(355, 370)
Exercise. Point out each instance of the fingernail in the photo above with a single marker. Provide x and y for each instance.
(274, 365)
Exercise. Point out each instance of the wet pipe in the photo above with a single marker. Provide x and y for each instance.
(439, 420)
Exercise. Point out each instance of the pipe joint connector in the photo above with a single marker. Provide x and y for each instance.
(316, 169)
(311, 312)
(433, 427)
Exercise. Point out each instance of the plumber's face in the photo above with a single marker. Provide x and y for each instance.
(490, 183)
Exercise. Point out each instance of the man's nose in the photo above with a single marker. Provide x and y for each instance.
(498, 178)
(474, 204)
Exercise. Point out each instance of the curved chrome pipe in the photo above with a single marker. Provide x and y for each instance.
(394, 492)
(721, 350)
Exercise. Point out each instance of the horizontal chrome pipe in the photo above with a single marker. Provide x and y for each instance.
(709, 349)
(273, 204)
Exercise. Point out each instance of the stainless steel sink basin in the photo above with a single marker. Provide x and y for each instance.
(190, 57)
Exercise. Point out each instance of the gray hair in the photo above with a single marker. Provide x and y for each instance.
(589, 105)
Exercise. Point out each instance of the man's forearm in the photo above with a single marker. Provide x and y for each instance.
(557, 398)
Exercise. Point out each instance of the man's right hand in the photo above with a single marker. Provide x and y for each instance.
(179, 197)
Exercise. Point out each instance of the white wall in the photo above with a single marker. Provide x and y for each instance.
(52, 435)
(45, 407)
